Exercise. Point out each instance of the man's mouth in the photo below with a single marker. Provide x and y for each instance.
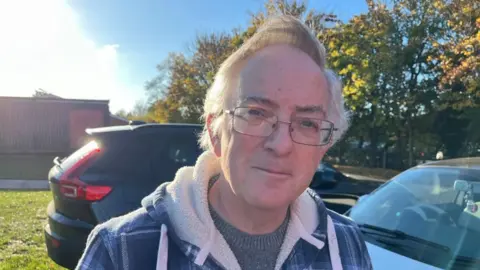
(273, 171)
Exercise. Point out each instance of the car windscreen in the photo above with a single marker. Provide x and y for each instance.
(424, 203)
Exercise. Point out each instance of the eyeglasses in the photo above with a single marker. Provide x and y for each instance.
(261, 123)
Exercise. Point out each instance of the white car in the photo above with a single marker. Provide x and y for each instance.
(427, 217)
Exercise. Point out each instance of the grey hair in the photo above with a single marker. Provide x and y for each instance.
(281, 30)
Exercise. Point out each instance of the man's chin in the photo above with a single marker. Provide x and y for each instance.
(269, 202)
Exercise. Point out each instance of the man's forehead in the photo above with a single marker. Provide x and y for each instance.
(281, 77)
(284, 67)
(278, 57)
(248, 99)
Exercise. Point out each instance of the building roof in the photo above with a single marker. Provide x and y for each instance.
(53, 99)
(92, 131)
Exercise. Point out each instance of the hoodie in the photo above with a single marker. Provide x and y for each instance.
(174, 230)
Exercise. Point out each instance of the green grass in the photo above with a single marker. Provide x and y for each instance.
(22, 218)
(25, 167)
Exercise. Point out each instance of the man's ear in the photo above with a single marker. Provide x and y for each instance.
(214, 139)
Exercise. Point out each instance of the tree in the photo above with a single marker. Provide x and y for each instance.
(457, 56)
(123, 114)
(40, 93)
(141, 111)
(417, 27)
(183, 81)
(360, 52)
(178, 90)
(456, 61)
(317, 21)
(410, 71)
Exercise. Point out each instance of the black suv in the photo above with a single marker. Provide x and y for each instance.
(109, 177)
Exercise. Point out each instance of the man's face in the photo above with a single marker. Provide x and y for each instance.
(271, 172)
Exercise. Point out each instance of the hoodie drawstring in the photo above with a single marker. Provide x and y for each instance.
(333, 249)
(333, 245)
(162, 256)
(205, 250)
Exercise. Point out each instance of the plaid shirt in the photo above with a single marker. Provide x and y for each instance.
(131, 242)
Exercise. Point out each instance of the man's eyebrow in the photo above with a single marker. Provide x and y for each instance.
(258, 100)
(311, 109)
(273, 104)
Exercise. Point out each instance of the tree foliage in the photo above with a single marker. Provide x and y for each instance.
(457, 56)
(182, 81)
(410, 70)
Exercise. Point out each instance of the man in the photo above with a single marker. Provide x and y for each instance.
(270, 116)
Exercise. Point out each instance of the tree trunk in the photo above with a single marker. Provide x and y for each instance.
(373, 136)
(410, 142)
(373, 147)
(399, 149)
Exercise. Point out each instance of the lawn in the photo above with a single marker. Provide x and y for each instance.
(22, 217)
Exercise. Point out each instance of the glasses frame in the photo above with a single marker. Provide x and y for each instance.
(232, 113)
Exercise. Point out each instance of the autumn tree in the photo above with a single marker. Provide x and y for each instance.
(455, 61)
(458, 53)
(410, 71)
(315, 20)
(182, 80)
(140, 111)
(417, 27)
(178, 90)
(41, 93)
(360, 52)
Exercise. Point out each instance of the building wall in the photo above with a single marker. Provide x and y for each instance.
(80, 119)
(32, 126)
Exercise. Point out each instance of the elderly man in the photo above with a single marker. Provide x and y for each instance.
(270, 116)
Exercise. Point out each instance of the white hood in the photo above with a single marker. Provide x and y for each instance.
(187, 206)
(385, 259)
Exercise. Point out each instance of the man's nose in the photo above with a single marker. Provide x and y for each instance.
(280, 141)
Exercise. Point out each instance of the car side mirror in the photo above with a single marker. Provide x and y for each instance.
(461, 185)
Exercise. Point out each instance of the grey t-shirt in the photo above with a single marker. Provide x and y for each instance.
(251, 251)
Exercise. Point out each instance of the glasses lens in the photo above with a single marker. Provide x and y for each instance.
(253, 121)
(311, 131)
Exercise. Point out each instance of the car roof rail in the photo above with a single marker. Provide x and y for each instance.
(136, 122)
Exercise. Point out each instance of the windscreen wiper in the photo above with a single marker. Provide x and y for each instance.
(397, 234)
(467, 260)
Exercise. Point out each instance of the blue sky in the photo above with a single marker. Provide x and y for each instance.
(108, 48)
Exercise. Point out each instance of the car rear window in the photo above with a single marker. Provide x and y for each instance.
(181, 150)
(79, 154)
(143, 157)
(126, 156)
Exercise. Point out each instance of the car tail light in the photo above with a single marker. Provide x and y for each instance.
(80, 191)
(70, 184)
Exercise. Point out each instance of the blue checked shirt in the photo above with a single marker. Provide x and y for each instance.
(131, 242)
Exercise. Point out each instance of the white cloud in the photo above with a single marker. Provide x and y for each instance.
(43, 46)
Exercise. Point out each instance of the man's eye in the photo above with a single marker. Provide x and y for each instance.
(256, 112)
(309, 124)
